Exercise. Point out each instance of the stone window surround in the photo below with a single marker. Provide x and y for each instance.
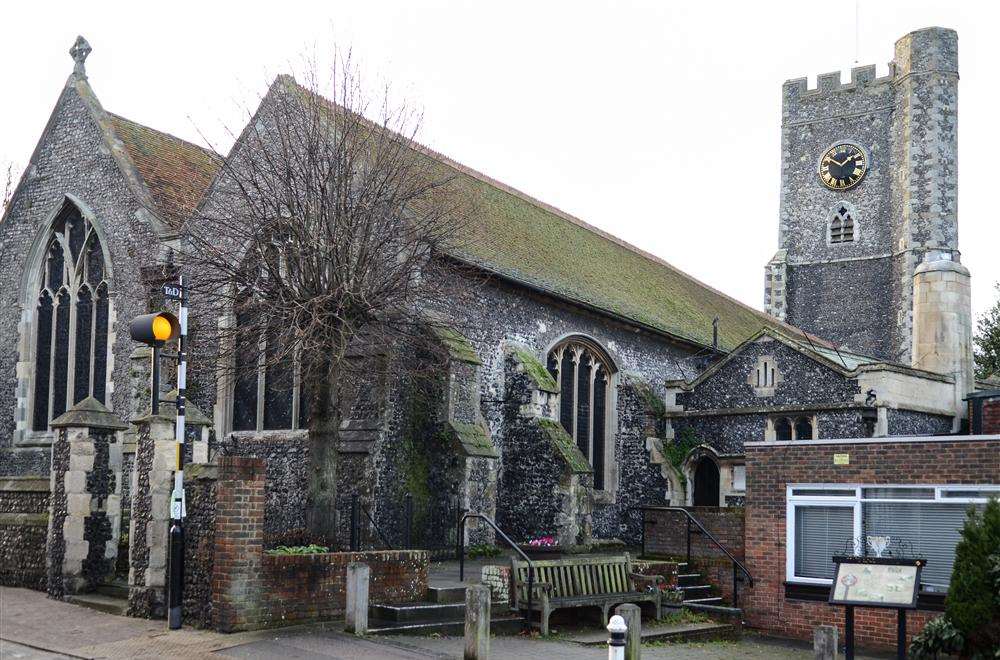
(770, 433)
(611, 372)
(30, 285)
(852, 213)
(226, 387)
(768, 366)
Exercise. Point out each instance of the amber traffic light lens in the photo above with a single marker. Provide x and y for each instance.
(162, 328)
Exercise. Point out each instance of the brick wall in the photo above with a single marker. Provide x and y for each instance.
(770, 467)
(252, 590)
(991, 416)
(666, 535)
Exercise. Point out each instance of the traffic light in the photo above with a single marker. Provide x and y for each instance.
(154, 329)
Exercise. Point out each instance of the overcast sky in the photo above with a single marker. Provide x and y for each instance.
(638, 117)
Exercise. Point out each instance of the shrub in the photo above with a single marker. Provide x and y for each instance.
(299, 550)
(938, 636)
(484, 550)
(973, 603)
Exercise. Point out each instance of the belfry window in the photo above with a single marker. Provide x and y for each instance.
(71, 320)
(842, 224)
(583, 373)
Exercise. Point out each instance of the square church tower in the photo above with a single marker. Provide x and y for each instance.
(868, 192)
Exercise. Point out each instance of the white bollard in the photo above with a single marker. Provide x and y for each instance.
(357, 598)
(616, 642)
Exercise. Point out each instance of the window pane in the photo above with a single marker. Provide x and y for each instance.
(824, 492)
(101, 344)
(820, 533)
(43, 349)
(583, 406)
(803, 428)
(970, 494)
(60, 373)
(782, 430)
(923, 529)
(897, 493)
(600, 420)
(81, 367)
(566, 391)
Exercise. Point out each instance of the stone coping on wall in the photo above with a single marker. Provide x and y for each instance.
(889, 439)
(25, 519)
(25, 484)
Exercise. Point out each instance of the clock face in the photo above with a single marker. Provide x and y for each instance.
(842, 166)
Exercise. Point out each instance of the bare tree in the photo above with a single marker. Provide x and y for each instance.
(326, 232)
(9, 176)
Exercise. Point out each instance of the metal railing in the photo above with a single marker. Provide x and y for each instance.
(737, 564)
(460, 549)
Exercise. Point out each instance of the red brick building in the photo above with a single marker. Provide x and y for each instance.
(810, 500)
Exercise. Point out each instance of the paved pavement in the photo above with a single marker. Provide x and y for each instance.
(33, 627)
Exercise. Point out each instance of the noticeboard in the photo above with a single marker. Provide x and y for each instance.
(876, 582)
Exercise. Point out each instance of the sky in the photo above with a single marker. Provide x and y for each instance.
(636, 117)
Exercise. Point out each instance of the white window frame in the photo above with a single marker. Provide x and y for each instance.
(855, 501)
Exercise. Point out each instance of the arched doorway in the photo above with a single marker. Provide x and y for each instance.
(706, 483)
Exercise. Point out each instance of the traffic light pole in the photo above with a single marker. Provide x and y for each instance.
(175, 588)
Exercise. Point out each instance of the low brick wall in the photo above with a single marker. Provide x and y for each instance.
(771, 466)
(24, 520)
(666, 532)
(253, 590)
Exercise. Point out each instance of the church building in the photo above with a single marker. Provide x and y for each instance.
(600, 378)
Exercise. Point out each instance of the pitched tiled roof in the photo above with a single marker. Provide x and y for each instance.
(176, 172)
(512, 235)
(531, 242)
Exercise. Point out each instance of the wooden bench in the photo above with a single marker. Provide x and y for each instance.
(582, 582)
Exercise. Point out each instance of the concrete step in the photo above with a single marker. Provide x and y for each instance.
(697, 591)
(114, 589)
(417, 612)
(100, 602)
(707, 600)
(508, 624)
(688, 578)
(446, 594)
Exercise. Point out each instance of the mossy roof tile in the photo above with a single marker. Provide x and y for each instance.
(176, 172)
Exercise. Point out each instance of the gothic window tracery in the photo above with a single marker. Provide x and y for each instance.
(71, 320)
(583, 372)
(842, 223)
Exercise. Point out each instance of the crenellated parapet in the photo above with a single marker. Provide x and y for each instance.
(828, 83)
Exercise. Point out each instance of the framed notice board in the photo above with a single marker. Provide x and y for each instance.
(876, 582)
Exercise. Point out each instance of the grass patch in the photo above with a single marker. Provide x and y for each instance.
(684, 616)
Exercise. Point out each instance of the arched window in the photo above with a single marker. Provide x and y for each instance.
(782, 429)
(583, 372)
(842, 223)
(803, 428)
(71, 320)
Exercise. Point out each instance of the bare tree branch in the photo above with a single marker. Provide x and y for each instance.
(325, 235)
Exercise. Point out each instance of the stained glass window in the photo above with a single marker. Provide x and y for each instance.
(71, 320)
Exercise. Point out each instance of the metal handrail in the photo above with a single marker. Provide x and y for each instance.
(692, 519)
(461, 558)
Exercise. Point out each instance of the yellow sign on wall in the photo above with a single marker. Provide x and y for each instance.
(841, 459)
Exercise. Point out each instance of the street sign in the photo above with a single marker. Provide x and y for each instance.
(172, 291)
